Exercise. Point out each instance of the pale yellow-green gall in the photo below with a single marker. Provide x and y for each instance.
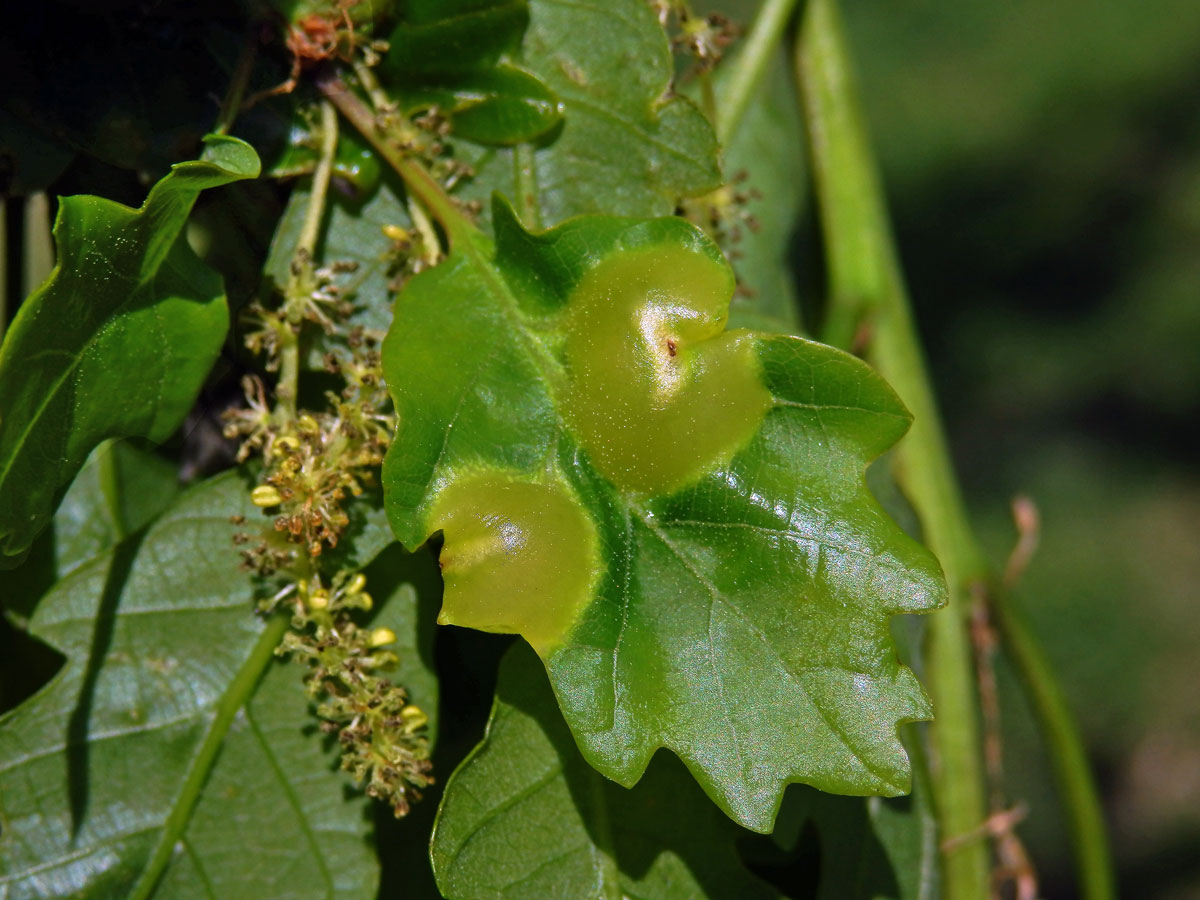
(659, 393)
(518, 557)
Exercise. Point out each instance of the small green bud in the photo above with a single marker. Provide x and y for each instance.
(357, 583)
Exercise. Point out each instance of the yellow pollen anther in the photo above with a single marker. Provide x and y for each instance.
(319, 599)
(414, 716)
(285, 444)
(364, 600)
(308, 424)
(357, 583)
(265, 495)
(395, 233)
(381, 636)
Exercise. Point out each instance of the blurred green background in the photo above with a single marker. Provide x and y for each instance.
(1042, 160)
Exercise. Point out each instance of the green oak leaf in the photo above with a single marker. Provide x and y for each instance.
(355, 162)
(116, 343)
(453, 55)
(165, 665)
(871, 848)
(524, 816)
(674, 515)
(120, 489)
(627, 146)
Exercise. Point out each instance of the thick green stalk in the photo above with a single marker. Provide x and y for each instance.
(867, 291)
(868, 300)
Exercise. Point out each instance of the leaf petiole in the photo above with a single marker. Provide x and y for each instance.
(379, 132)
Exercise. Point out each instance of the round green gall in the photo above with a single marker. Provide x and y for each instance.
(659, 393)
(518, 557)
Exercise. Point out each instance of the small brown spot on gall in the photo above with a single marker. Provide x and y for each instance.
(670, 348)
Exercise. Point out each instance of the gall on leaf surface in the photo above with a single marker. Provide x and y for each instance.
(116, 343)
(525, 817)
(722, 579)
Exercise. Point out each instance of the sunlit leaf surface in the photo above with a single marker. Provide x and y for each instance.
(721, 580)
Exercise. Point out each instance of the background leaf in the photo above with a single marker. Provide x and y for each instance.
(524, 816)
(851, 848)
(741, 620)
(626, 146)
(119, 490)
(765, 161)
(450, 55)
(117, 342)
(95, 770)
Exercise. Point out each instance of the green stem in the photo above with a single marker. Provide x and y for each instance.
(745, 73)
(525, 176)
(310, 233)
(865, 277)
(371, 85)
(39, 242)
(708, 96)
(301, 281)
(416, 178)
(231, 701)
(431, 248)
(110, 486)
(1076, 786)
(232, 104)
(867, 293)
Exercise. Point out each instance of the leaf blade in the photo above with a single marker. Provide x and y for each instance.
(494, 835)
(626, 146)
(739, 612)
(74, 368)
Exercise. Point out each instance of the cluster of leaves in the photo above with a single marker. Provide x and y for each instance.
(671, 511)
